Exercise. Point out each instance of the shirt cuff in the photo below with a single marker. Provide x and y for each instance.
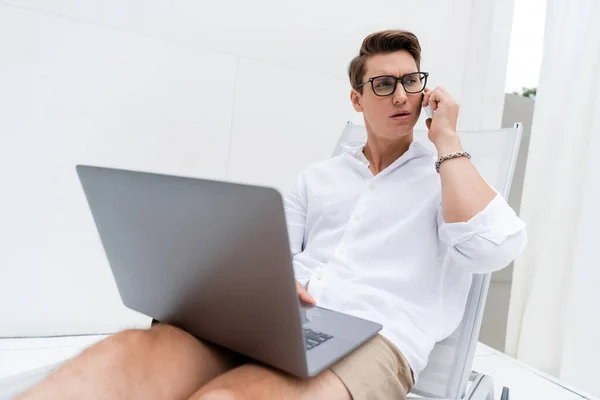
(496, 222)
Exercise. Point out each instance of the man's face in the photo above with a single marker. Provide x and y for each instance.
(381, 112)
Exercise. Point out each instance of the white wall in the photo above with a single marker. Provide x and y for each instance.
(245, 91)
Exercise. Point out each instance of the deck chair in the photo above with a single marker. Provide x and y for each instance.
(448, 373)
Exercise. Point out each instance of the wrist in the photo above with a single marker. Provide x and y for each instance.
(448, 143)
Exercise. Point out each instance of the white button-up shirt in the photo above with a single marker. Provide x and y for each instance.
(377, 247)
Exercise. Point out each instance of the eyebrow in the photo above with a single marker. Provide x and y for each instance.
(381, 73)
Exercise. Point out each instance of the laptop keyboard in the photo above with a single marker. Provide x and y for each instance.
(313, 338)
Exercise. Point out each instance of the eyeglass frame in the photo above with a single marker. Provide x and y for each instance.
(399, 79)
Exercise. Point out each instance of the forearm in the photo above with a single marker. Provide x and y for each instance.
(464, 192)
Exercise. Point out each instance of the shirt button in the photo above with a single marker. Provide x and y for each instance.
(356, 218)
(371, 186)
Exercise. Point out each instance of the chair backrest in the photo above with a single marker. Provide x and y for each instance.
(495, 156)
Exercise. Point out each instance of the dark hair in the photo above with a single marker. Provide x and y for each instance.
(382, 42)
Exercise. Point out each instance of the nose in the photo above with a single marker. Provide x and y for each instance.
(399, 96)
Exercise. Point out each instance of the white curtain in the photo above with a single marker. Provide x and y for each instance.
(554, 316)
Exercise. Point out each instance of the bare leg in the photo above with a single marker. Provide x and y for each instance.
(251, 381)
(160, 363)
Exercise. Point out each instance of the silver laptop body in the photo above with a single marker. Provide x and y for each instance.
(213, 258)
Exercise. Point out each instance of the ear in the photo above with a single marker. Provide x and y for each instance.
(356, 99)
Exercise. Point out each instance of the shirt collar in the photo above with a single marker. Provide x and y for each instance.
(415, 150)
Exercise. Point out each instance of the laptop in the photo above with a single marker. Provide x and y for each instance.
(213, 259)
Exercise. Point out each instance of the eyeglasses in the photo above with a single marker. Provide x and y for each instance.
(385, 85)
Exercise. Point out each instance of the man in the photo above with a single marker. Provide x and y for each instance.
(376, 232)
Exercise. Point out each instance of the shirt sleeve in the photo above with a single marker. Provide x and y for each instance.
(295, 206)
(487, 242)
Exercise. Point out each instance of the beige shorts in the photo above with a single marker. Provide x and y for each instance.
(376, 370)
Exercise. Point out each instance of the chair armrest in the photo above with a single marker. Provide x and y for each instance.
(481, 387)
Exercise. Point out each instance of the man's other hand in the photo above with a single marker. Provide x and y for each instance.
(303, 294)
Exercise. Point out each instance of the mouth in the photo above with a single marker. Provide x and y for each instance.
(401, 116)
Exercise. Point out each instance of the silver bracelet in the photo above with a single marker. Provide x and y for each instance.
(449, 157)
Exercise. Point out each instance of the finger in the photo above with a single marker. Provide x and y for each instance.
(305, 297)
(426, 97)
(441, 95)
(433, 101)
(436, 97)
(445, 97)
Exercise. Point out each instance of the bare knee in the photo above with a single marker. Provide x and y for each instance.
(169, 352)
(127, 343)
(137, 345)
(132, 362)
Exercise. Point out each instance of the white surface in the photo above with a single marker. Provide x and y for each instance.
(139, 16)
(19, 355)
(85, 94)
(522, 383)
(554, 323)
(272, 141)
(311, 35)
(133, 83)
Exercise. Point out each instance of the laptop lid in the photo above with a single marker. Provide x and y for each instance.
(209, 257)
